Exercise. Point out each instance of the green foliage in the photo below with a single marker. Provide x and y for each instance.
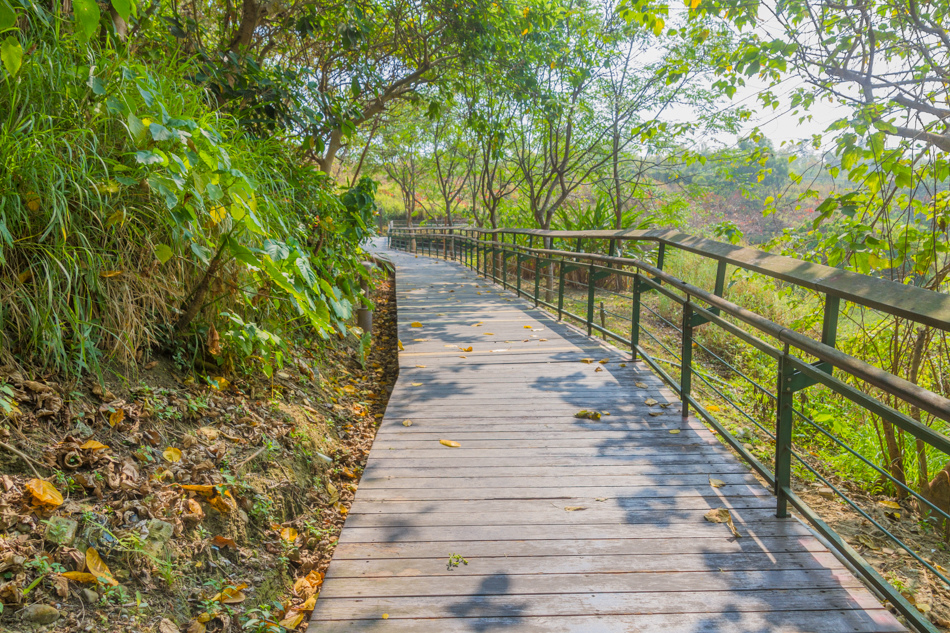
(145, 207)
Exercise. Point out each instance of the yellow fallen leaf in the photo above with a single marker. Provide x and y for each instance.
(649, 402)
(479, 324)
(292, 620)
(172, 454)
(449, 443)
(466, 349)
(527, 327)
(401, 348)
(598, 369)
(716, 483)
(574, 508)
(623, 364)
(223, 503)
(44, 492)
(106, 274)
(407, 422)
(199, 488)
(420, 340)
(93, 445)
(488, 333)
(79, 576)
(386, 615)
(116, 417)
(309, 604)
(289, 534)
(641, 385)
(604, 361)
(231, 595)
(587, 361)
(219, 384)
(415, 384)
(415, 324)
(890, 504)
(204, 617)
(350, 389)
(98, 568)
(712, 408)
(674, 432)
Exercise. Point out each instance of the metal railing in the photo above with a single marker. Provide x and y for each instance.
(488, 253)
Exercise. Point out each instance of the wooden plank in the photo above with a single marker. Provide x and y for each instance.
(585, 554)
(825, 621)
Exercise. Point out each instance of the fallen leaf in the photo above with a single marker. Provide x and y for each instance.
(219, 383)
(415, 324)
(98, 568)
(641, 385)
(527, 327)
(890, 504)
(292, 620)
(196, 627)
(407, 422)
(423, 366)
(231, 595)
(623, 364)
(587, 415)
(604, 361)
(721, 515)
(420, 340)
(716, 483)
(44, 492)
(223, 542)
(80, 576)
(199, 488)
(600, 499)
(712, 408)
(574, 508)
(172, 454)
(674, 431)
(309, 605)
(867, 541)
(649, 402)
(106, 274)
(654, 414)
(93, 445)
(385, 616)
(116, 417)
(599, 369)
(289, 534)
(415, 384)
(449, 443)
(466, 349)
(401, 348)
(587, 361)
(488, 333)
(223, 503)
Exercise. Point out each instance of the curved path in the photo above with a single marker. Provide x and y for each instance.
(564, 524)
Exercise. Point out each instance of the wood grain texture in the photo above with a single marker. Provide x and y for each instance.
(566, 524)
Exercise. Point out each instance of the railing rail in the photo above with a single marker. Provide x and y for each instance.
(487, 252)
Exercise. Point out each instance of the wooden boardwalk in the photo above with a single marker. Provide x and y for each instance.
(566, 524)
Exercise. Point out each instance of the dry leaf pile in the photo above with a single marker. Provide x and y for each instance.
(184, 505)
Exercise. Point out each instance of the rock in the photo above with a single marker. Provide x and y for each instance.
(61, 531)
(39, 614)
(89, 596)
(826, 492)
(159, 534)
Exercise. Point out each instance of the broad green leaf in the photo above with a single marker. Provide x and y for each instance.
(160, 132)
(12, 55)
(123, 8)
(163, 253)
(7, 16)
(242, 253)
(150, 158)
(87, 18)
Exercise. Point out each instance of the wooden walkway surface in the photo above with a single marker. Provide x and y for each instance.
(566, 524)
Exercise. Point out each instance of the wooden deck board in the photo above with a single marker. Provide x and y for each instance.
(568, 524)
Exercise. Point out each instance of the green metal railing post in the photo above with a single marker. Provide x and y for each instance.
(783, 435)
(518, 273)
(560, 289)
(537, 279)
(635, 319)
(686, 357)
(590, 300)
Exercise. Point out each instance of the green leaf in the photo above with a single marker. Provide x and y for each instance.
(87, 18)
(160, 132)
(7, 16)
(244, 254)
(163, 253)
(150, 158)
(12, 55)
(123, 8)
